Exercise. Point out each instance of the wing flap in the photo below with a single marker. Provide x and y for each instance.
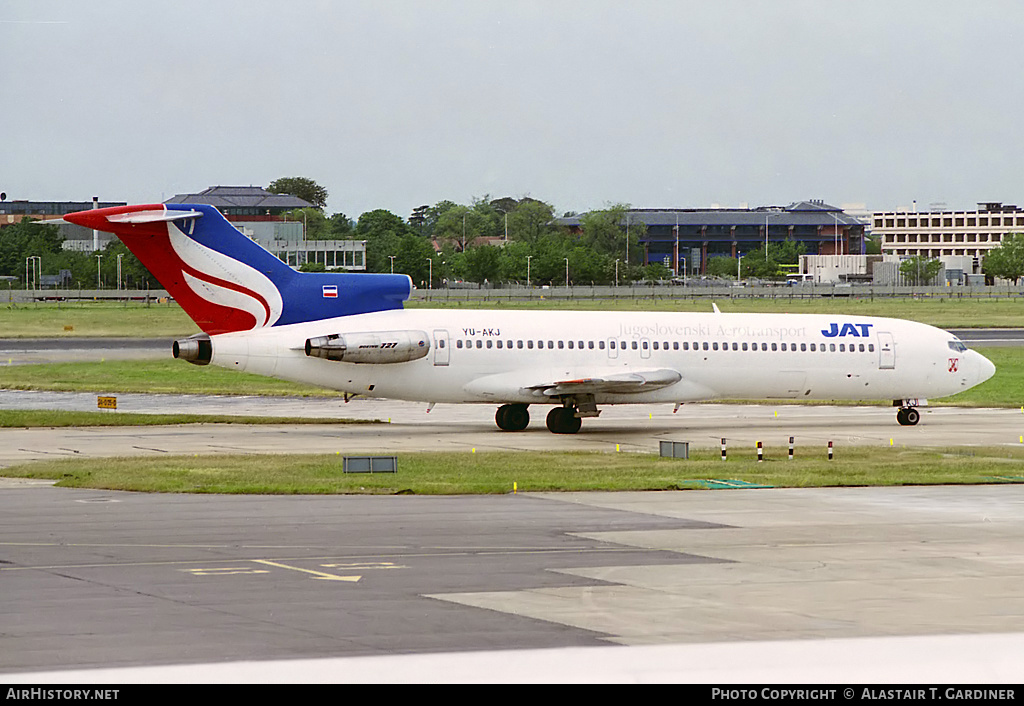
(633, 382)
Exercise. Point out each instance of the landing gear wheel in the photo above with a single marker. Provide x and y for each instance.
(908, 416)
(512, 417)
(563, 420)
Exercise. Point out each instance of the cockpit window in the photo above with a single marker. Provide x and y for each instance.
(957, 346)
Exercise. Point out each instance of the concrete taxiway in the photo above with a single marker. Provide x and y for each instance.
(773, 585)
(408, 427)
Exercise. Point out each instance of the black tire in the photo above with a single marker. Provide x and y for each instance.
(563, 420)
(908, 416)
(512, 417)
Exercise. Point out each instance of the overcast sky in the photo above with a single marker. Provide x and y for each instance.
(394, 104)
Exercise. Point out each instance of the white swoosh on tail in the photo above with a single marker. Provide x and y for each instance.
(217, 265)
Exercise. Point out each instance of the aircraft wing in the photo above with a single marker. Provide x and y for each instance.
(635, 381)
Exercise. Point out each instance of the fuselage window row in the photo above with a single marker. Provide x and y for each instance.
(685, 345)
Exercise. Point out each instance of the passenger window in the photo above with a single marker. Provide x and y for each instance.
(705, 345)
(634, 345)
(479, 344)
(655, 345)
(551, 344)
(842, 347)
(490, 342)
(561, 345)
(775, 346)
(600, 344)
(803, 346)
(529, 345)
(643, 345)
(519, 344)
(499, 344)
(871, 347)
(783, 346)
(675, 345)
(832, 347)
(458, 343)
(714, 345)
(570, 345)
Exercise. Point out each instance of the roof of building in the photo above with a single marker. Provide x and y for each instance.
(222, 197)
(798, 213)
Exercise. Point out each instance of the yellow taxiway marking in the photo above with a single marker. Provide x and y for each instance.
(316, 574)
(365, 566)
(226, 571)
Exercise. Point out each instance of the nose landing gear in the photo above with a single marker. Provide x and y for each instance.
(908, 416)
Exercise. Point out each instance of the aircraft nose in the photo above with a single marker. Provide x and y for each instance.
(986, 368)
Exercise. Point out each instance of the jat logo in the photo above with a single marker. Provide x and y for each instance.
(859, 330)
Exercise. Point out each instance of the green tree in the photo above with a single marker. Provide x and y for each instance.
(23, 240)
(304, 188)
(314, 223)
(482, 264)
(529, 220)
(920, 270)
(721, 266)
(1006, 261)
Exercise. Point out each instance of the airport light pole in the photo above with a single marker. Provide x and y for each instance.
(98, 279)
(528, 258)
(566, 273)
(392, 258)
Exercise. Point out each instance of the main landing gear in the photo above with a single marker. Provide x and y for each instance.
(512, 417)
(564, 419)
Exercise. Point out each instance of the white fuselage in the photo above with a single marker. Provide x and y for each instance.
(510, 356)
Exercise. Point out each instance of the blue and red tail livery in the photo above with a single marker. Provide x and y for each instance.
(225, 281)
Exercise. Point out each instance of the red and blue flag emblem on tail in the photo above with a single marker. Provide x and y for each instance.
(330, 291)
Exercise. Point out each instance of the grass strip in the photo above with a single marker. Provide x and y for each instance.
(60, 418)
(154, 376)
(500, 472)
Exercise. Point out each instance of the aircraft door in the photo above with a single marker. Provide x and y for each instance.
(886, 351)
(441, 350)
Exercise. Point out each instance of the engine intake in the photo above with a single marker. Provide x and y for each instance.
(370, 347)
(197, 349)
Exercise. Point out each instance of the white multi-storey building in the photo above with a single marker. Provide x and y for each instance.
(942, 234)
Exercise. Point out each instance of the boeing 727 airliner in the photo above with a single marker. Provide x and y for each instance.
(349, 332)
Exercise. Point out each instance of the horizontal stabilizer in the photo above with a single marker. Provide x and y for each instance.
(155, 216)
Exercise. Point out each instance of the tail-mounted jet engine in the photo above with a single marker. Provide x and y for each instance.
(370, 347)
(196, 349)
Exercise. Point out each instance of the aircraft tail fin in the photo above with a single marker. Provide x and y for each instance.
(225, 281)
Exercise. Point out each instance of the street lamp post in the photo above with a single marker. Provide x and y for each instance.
(566, 273)
(392, 258)
(98, 280)
(528, 258)
(430, 277)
